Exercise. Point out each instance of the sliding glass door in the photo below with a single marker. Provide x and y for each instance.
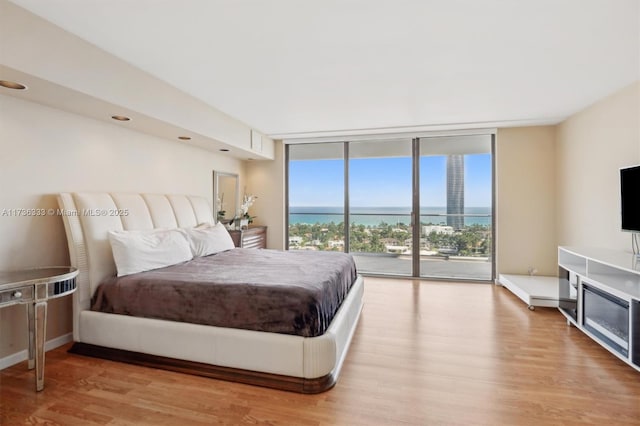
(456, 197)
(316, 193)
(380, 194)
(406, 206)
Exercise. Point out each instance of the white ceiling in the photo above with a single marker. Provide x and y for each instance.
(303, 66)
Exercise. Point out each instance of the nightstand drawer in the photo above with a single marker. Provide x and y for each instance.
(253, 241)
(252, 238)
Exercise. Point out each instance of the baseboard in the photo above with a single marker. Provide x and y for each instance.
(23, 355)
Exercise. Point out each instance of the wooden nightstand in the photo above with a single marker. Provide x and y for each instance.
(252, 237)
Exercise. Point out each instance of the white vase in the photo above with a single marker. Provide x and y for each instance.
(244, 223)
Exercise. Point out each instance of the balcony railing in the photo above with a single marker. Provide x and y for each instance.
(323, 227)
(382, 243)
(435, 218)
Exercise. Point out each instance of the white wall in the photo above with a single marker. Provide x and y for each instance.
(592, 146)
(45, 151)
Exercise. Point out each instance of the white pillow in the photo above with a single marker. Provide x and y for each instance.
(137, 251)
(206, 240)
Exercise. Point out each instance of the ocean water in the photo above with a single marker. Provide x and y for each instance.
(373, 216)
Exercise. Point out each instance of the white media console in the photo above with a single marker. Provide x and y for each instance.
(599, 293)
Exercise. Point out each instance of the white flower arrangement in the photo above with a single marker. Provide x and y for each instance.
(247, 202)
(219, 201)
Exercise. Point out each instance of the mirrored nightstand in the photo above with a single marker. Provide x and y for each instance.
(33, 288)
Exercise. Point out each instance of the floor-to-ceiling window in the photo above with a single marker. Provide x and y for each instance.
(316, 197)
(456, 197)
(379, 198)
(402, 206)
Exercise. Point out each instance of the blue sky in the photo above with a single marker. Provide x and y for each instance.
(377, 182)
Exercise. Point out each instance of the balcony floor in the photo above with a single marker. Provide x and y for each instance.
(453, 267)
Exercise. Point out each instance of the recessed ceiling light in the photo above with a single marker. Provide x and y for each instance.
(184, 138)
(224, 150)
(120, 117)
(12, 85)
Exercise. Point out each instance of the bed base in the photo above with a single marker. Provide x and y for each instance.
(273, 381)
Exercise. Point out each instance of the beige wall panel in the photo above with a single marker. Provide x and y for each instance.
(266, 180)
(592, 146)
(525, 206)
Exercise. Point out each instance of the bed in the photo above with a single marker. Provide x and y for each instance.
(306, 362)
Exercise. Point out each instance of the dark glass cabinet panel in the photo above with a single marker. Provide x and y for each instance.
(568, 296)
(607, 317)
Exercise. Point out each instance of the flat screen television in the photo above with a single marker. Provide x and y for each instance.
(630, 198)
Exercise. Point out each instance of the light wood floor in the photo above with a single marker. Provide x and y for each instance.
(424, 353)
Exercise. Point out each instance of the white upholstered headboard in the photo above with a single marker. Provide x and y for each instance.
(89, 216)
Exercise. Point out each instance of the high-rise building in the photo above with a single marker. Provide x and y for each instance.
(455, 190)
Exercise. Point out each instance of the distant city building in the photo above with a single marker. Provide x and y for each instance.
(295, 241)
(335, 244)
(389, 241)
(424, 243)
(396, 249)
(438, 229)
(455, 190)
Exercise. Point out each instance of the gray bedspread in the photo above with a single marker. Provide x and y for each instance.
(289, 292)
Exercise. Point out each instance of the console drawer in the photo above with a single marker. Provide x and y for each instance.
(16, 295)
